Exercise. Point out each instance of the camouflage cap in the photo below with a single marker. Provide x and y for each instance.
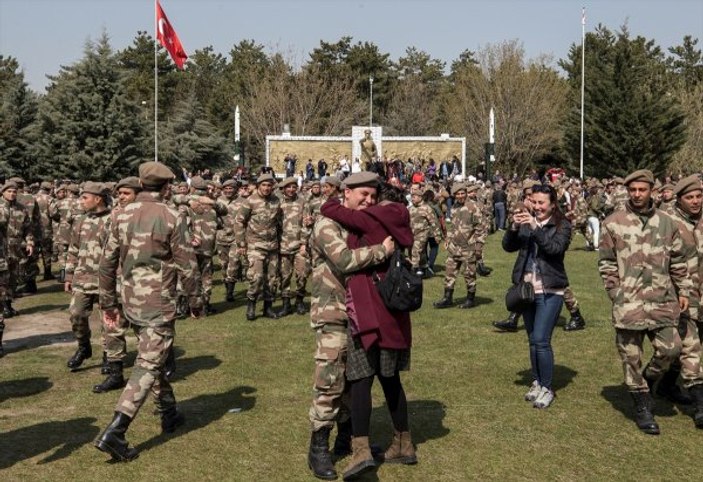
(287, 182)
(197, 182)
(332, 181)
(46, 185)
(458, 187)
(688, 184)
(18, 180)
(155, 174)
(8, 185)
(642, 175)
(96, 188)
(229, 182)
(265, 178)
(362, 179)
(131, 182)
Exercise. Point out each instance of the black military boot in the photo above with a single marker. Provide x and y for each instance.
(114, 380)
(8, 311)
(229, 286)
(469, 302)
(445, 302)
(251, 310)
(62, 275)
(509, 324)
(83, 352)
(2, 329)
(209, 309)
(48, 275)
(482, 269)
(696, 392)
(30, 287)
(286, 310)
(643, 416)
(105, 368)
(171, 419)
(113, 442)
(342, 442)
(268, 310)
(670, 390)
(170, 365)
(300, 307)
(576, 322)
(319, 457)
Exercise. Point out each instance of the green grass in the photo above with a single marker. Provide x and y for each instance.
(465, 391)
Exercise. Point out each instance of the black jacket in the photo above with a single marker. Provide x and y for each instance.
(552, 244)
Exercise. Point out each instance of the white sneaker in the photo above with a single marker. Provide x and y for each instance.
(544, 399)
(533, 392)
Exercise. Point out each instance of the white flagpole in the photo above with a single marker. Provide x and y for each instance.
(583, 77)
(156, 86)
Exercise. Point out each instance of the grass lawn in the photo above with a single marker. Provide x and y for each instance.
(245, 389)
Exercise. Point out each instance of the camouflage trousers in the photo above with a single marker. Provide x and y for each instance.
(330, 401)
(153, 345)
(290, 264)
(666, 344)
(115, 341)
(456, 263)
(583, 228)
(46, 254)
(4, 286)
(223, 255)
(237, 265)
(262, 274)
(689, 360)
(79, 312)
(29, 267)
(206, 269)
(418, 253)
(13, 273)
(570, 301)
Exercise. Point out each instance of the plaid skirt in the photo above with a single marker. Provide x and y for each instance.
(377, 361)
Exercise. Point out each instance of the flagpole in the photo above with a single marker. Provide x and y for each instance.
(156, 85)
(583, 77)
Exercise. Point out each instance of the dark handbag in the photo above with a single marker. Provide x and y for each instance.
(401, 288)
(521, 295)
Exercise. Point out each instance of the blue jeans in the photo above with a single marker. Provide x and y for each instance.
(433, 248)
(499, 214)
(540, 320)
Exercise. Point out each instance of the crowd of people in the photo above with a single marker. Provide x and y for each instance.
(142, 250)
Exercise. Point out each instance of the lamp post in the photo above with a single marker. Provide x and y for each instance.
(371, 101)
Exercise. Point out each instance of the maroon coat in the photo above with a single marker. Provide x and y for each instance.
(368, 227)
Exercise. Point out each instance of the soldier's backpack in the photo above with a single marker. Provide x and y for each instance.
(401, 289)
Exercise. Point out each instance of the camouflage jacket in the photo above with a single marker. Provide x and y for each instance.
(313, 205)
(4, 220)
(333, 264)
(579, 209)
(48, 213)
(150, 243)
(85, 250)
(691, 231)
(643, 264)
(617, 199)
(28, 201)
(258, 223)
(225, 236)
(294, 234)
(424, 222)
(465, 230)
(19, 229)
(68, 209)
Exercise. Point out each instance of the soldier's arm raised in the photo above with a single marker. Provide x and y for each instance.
(328, 239)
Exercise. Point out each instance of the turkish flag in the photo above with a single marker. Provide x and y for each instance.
(168, 37)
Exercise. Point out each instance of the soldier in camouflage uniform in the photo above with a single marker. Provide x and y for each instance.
(333, 263)
(48, 213)
(667, 200)
(237, 264)
(618, 197)
(257, 234)
(578, 215)
(82, 261)
(4, 271)
(478, 196)
(20, 241)
(461, 246)
(643, 266)
(424, 225)
(29, 263)
(59, 196)
(150, 242)
(686, 213)
(228, 201)
(294, 246)
(68, 209)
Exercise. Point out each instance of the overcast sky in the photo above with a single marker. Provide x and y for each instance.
(45, 34)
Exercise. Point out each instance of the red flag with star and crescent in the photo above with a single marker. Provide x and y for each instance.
(167, 36)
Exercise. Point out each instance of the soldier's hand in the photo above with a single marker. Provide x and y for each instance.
(389, 245)
(30, 250)
(241, 251)
(195, 241)
(683, 303)
(302, 249)
(111, 317)
(67, 287)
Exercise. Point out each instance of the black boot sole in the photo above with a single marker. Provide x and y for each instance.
(102, 389)
(322, 476)
(116, 455)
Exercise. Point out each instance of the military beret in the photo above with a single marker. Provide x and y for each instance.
(17, 180)
(457, 187)
(688, 184)
(46, 185)
(315, 182)
(131, 182)
(361, 179)
(9, 185)
(74, 188)
(642, 175)
(667, 187)
(472, 188)
(155, 174)
(229, 182)
(287, 182)
(244, 183)
(332, 181)
(529, 184)
(618, 180)
(96, 188)
(265, 178)
(197, 182)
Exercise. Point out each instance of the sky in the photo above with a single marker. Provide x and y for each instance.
(43, 35)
